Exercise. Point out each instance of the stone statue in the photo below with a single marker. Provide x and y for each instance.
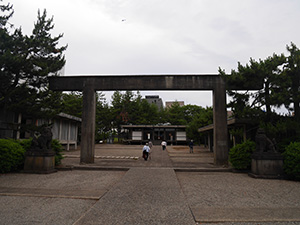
(42, 141)
(263, 143)
(266, 162)
(40, 158)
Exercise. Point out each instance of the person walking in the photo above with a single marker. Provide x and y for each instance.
(150, 144)
(146, 151)
(164, 145)
(191, 145)
(150, 152)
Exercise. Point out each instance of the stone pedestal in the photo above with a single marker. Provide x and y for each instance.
(268, 165)
(39, 162)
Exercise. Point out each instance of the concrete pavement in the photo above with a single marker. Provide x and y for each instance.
(122, 188)
(143, 196)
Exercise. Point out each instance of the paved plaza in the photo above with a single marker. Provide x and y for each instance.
(173, 187)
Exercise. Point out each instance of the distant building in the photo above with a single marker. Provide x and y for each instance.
(66, 130)
(155, 99)
(138, 134)
(64, 127)
(169, 104)
(246, 130)
(230, 114)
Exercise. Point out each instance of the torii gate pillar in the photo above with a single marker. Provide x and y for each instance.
(220, 124)
(88, 124)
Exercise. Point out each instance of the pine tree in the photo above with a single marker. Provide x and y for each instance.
(26, 63)
(264, 72)
(292, 70)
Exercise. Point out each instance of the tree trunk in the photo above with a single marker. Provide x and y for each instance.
(295, 91)
(267, 101)
(297, 110)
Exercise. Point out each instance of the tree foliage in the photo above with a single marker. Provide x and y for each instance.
(104, 117)
(72, 103)
(291, 88)
(12, 156)
(202, 118)
(263, 72)
(240, 155)
(292, 160)
(175, 114)
(25, 65)
(130, 108)
(279, 76)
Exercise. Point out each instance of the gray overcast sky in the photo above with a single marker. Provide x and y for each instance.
(165, 36)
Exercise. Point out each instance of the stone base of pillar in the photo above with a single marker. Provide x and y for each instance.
(267, 165)
(39, 162)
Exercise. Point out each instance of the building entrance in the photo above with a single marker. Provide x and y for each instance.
(158, 136)
(140, 134)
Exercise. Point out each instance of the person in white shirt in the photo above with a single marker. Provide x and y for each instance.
(164, 145)
(146, 151)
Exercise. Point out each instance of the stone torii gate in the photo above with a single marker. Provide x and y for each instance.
(90, 84)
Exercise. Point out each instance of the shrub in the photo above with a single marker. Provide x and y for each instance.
(240, 155)
(12, 156)
(292, 160)
(57, 148)
(26, 143)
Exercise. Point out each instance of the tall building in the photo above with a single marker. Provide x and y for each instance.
(155, 99)
(169, 104)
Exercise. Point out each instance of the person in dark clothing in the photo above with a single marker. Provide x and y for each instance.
(164, 145)
(191, 145)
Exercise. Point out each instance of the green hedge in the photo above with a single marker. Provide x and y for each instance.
(12, 156)
(57, 148)
(240, 155)
(292, 160)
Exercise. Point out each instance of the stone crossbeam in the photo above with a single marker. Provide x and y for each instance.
(135, 82)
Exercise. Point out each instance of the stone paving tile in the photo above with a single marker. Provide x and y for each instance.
(220, 197)
(57, 198)
(22, 210)
(53, 193)
(246, 214)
